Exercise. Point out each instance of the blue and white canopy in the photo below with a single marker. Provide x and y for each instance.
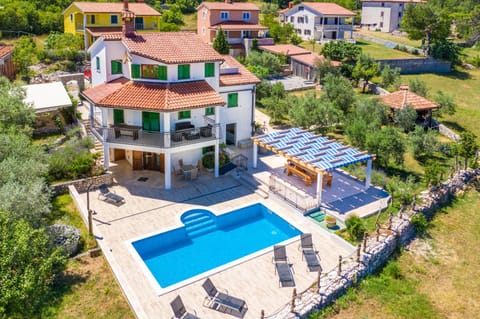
(312, 151)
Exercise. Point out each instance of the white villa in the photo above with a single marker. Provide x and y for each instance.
(158, 98)
(318, 20)
(384, 15)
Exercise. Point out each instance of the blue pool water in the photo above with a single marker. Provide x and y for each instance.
(207, 241)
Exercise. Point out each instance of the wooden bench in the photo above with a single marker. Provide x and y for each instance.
(300, 173)
(119, 128)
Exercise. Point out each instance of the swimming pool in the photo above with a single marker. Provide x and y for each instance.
(207, 241)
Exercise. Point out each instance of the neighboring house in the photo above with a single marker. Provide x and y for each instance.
(7, 69)
(239, 20)
(403, 97)
(321, 21)
(384, 15)
(92, 19)
(158, 98)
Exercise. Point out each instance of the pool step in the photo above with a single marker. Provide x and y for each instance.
(199, 223)
(201, 231)
(196, 219)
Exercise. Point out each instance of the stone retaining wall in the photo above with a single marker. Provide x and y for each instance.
(377, 251)
(82, 184)
(420, 65)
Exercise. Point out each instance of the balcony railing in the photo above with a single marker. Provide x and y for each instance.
(334, 27)
(135, 135)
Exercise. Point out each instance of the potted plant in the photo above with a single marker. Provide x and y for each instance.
(330, 221)
(208, 161)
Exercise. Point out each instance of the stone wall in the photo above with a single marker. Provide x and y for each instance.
(420, 65)
(82, 184)
(375, 251)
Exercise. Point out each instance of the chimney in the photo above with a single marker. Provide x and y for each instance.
(290, 4)
(128, 19)
(228, 1)
(404, 89)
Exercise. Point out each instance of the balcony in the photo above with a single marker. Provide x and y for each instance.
(334, 27)
(135, 135)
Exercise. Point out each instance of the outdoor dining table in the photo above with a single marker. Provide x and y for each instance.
(187, 171)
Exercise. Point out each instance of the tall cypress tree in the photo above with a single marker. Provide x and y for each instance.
(220, 44)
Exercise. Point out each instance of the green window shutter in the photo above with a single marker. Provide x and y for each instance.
(116, 67)
(209, 70)
(232, 100)
(118, 116)
(209, 111)
(162, 72)
(135, 71)
(151, 121)
(184, 71)
(184, 115)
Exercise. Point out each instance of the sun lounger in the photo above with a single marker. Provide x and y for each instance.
(179, 310)
(221, 301)
(109, 196)
(309, 252)
(282, 266)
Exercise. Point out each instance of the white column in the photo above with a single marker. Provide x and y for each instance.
(166, 129)
(369, 173)
(217, 158)
(104, 117)
(217, 122)
(168, 170)
(255, 155)
(321, 34)
(319, 188)
(106, 154)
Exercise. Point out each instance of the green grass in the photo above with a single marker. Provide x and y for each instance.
(392, 38)
(379, 51)
(465, 87)
(435, 278)
(190, 21)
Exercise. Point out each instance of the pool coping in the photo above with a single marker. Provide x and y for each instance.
(153, 281)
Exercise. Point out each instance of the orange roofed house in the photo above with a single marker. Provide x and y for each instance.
(239, 20)
(7, 68)
(91, 19)
(163, 98)
(400, 99)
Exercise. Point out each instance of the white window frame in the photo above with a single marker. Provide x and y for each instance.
(203, 30)
(246, 15)
(204, 13)
(224, 15)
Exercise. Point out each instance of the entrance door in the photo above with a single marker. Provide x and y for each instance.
(334, 35)
(153, 161)
(230, 133)
(137, 160)
(118, 154)
(151, 121)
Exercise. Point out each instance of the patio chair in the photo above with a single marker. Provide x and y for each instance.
(177, 172)
(309, 252)
(179, 310)
(221, 301)
(194, 173)
(109, 196)
(180, 163)
(282, 266)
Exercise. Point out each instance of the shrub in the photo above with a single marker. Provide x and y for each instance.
(420, 223)
(355, 227)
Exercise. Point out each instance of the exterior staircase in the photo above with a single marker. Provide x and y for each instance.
(97, 146)
(199, 222)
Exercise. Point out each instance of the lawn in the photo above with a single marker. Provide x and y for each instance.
(464, 86)
(436, 277)
(379, 51)
(88, 288)
(393, 38)
(190, 21)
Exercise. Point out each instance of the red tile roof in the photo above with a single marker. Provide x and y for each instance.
(229, 6)
(243, 76)
(404, 1)
(140, 9)
(154, 96)
(171, 47)
(5, 50)
(312, 59)
(328, 8)
(237, 26)
(402, 98)
(287, 49)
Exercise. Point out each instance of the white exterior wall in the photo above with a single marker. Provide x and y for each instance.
(372, 15)
(309, 22)
(241, 115)
(190, 157)
(98, 77)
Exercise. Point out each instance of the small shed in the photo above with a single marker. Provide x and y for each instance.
(7, 68)
(305, 65)
(47, 97)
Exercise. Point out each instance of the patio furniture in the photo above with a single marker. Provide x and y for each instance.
(330, 221)
(194, 173)
(177, 172)
(221, 301)
(309, 252)
(206, 131)
(180, 162)
(181, 126)
(282, 266)
(177, 136)
(179, 310)
(121, 127)
(187, 171)
(109, 196)
(300, 172)
(192, 135)
(328, 179)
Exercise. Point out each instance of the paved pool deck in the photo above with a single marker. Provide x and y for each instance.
(149, 209)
